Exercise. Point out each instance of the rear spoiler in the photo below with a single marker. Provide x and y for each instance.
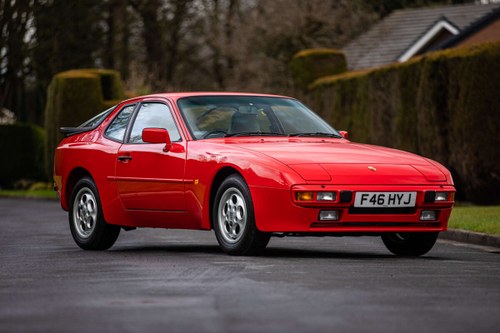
(69, 131)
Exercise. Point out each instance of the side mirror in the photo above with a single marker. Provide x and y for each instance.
(157, 135)
(344, 134)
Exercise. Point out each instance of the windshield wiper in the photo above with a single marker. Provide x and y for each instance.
(318, 134)
(254, 134)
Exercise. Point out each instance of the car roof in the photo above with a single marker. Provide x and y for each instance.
(177, 95)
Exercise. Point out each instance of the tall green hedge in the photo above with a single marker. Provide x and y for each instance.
(445, 105)
(311, 64)
(22, 152)
(75, 96)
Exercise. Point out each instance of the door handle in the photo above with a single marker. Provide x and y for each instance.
(124, 158)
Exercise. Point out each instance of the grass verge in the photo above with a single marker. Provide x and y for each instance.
(484, 219)
(31, 194)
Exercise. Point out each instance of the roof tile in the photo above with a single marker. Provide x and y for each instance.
(389, 38)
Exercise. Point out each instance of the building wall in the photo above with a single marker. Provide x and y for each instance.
(490, 33)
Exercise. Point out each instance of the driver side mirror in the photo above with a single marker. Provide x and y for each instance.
(157, 135)
(344, 134)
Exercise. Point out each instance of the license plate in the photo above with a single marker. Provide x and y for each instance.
(385, 199)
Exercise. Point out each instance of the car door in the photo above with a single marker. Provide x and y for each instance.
(148, 178)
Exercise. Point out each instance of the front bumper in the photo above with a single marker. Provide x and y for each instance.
(277, 211)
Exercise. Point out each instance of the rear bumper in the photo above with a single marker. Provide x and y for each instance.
(275, 211)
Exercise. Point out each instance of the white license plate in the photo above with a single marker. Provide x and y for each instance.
(385, 199)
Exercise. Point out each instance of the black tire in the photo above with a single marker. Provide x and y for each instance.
(86, 220)
(410, 244)
(234, 220)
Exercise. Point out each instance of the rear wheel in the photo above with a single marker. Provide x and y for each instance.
(86, 220)
(234, 221)
(410, 244)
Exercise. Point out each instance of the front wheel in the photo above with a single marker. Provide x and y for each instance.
(410, 244)
(234, 221)
(86, 220)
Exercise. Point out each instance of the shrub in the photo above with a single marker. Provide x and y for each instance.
(444, 105)
(311, 64)
(75, 96)
(23, 148)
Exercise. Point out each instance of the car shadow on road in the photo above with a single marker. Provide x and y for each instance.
(335, 254)
(270, 252)
(178, 248)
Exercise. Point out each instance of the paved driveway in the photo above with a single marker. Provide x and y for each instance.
(179, 281)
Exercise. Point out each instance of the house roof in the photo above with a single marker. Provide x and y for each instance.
(394, 36)
(442, 26)
(470, 30)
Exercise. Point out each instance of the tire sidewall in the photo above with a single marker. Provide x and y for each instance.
(413, 245)
(244, 242)
(86, 243)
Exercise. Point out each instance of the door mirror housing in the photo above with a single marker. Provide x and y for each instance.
(157, 135)
(344, 134)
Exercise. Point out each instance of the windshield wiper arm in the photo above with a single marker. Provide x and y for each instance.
(254, 134)
(319, 134)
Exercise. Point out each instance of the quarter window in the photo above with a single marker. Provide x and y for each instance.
(116, 130)
(156, 115)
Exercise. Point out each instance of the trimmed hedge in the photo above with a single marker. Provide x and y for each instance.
(311, 64)
(22, 149)
(75, 96)
(445, 105)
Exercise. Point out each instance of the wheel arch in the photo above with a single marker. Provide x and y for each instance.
(74, 176)
(217, 181)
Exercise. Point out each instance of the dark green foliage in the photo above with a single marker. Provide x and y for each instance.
(474, 113)
(74, 97)
(445, 106)
(22, 152)
(309, 65)
(112, 86)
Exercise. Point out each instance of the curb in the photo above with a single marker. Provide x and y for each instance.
(470, 237)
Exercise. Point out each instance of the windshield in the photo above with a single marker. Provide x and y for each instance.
(223, 116)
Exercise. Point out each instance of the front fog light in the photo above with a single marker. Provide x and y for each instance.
(329, 215)
(326, 196)
(428, 215)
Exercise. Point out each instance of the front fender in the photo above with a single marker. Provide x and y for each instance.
(206, 161)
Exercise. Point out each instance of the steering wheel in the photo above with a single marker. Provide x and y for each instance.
(206, 135)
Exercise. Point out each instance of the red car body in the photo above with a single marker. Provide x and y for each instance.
(146, 186)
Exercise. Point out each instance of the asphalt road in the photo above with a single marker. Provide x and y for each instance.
(179, 281)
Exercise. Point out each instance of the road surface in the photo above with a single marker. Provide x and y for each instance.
(155, 280)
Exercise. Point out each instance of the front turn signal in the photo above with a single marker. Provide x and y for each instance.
(304, 196)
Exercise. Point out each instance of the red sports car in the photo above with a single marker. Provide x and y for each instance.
(248, 166)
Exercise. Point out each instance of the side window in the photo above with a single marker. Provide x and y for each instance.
(116, 130)
(156, 115)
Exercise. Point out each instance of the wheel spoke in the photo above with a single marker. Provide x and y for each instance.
(85, 212)
(232, 214)
(234, 234)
